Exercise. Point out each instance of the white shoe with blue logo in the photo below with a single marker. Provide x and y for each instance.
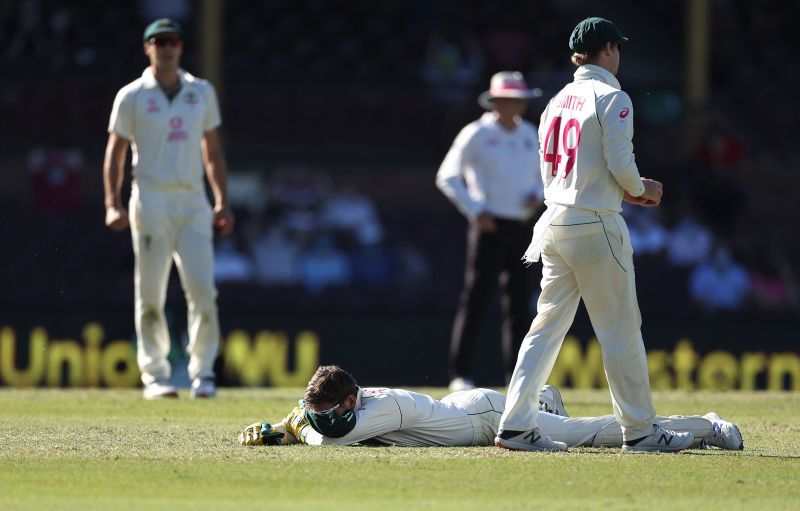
(530, 440)
(660, 440)
(724, 434)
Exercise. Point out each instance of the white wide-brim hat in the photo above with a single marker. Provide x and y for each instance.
(507, 84)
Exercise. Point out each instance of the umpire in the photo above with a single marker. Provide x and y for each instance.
(491, 174)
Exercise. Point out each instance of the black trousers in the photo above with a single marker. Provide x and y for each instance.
(493, 258)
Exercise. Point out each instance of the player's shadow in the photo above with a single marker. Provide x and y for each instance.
(743, 453)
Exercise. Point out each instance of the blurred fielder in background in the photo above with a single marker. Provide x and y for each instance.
(336, 411)
(491, 174)
(588, 167)
(170, 120)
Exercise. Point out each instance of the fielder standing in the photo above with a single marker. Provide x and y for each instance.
(588, 167)
(491, 175)
(169, 118)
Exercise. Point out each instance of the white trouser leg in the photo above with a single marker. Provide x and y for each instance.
(609, 292)
(153, 242)
(575, 431)
(194, 257)
(695, 424)
(611, 435)
(537, 355)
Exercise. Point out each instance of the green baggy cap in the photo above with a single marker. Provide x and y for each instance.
(163, 26)
(592, 33)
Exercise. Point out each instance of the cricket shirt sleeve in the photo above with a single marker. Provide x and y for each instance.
(122, 114)
(212, 119)
(450, 177)
(616, 118)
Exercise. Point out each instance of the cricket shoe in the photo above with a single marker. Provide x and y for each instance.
(724, 434)
(458, 384)
(660, 440)
(550, 401)
(203, 388)
(159, 389)
(530, 440)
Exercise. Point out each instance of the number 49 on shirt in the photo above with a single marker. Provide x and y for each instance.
(555, 132)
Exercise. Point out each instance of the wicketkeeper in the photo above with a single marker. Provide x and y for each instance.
(336, 411)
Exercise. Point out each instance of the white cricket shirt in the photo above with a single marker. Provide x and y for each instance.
(586, 135)
(489, 169)
(165, 134)
(404, 418)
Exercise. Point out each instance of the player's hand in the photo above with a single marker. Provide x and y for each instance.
(295, 422)
(637, 201)
(484, 222)
(223, 220)
(652, 192)
(116, 219)
(260, 433)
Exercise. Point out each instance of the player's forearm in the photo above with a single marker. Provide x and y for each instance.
(216, 168)
(630, 181)
(114, 172)
(217, 174)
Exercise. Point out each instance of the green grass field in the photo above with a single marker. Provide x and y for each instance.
(108, 449)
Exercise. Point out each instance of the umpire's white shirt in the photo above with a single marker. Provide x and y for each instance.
(165, 135)
(405, 418)
(489, 169)
(586, 132)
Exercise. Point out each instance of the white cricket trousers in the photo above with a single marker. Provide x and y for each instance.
(166, 226)
(586, 255)
(603, 431)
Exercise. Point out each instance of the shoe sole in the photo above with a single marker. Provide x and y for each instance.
(633, 449)
(740, 447)
(741, 438)
(519, 449)
(735, 427)
(167, 395)
(558, 400)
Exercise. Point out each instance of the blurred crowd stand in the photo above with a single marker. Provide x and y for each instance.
(313, 91)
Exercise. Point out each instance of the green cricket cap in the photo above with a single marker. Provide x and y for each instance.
(163, 26)
(592, 33)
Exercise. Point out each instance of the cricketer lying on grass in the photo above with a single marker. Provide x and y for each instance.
(347, 414)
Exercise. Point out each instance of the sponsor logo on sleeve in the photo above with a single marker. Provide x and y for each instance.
(624, 113)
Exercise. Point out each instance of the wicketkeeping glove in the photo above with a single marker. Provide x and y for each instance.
(260, 433)
(296, 422)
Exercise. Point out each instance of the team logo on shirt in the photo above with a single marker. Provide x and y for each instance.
(152, 105)
(624, 113)
(190, 98)
(176, 134)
